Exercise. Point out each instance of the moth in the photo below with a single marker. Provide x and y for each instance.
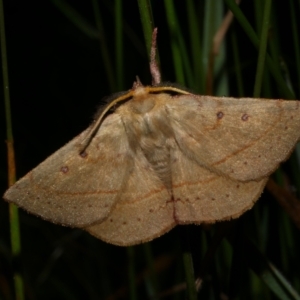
(164, 157)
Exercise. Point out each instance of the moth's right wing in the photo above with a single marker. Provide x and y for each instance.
(244, 139)
(202, 196)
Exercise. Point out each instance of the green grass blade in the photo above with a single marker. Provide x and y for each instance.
(188, 265)
(196, 48)
(106, 58)
(262, 50)
(295, 32)
(237, 64)
(147, 22)
(269, 274)
(181, 61)
(76, 18)
(119, 44)
(15, 235)
(131, 273)
(254, 39)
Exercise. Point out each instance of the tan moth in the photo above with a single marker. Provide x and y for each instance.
(164, 157)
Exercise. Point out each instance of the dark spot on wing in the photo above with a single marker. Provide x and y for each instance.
(83, 154)
(64, 169)
(245, 117)
(220, 115)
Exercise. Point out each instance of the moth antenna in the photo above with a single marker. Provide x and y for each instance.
(154, 69)
(86, 141)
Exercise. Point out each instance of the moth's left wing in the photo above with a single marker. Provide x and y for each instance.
(143, 212)
(78, 190)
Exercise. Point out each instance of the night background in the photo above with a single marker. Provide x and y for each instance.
(64, 58)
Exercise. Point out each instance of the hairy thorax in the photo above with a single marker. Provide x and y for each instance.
(146, 123)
